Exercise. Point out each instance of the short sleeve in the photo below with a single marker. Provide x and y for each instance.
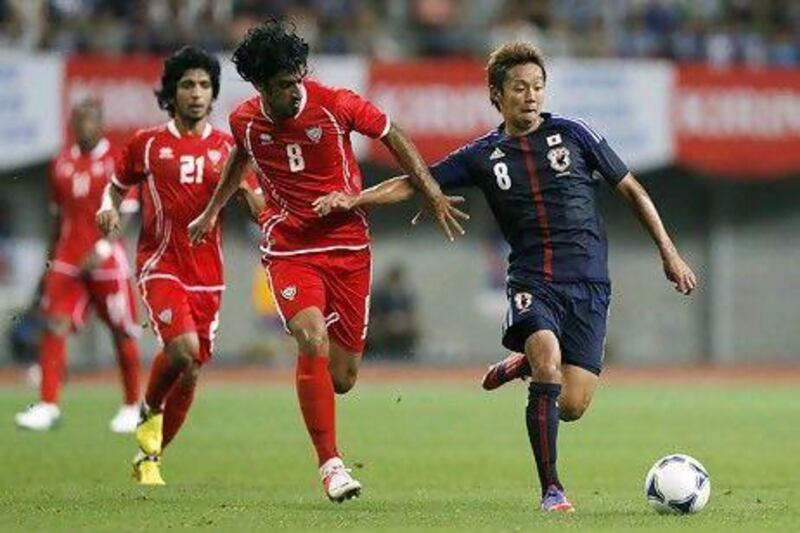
(601, 157)
(237, 131)
(361, 115)
(132, 165)
(453, 171)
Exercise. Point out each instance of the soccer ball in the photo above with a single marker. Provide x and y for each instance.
(677, 484)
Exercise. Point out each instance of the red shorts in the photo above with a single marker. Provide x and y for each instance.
(337, 283)
(174, 311)
(70, 296)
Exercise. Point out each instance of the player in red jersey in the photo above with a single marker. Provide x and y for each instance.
(296, 132)
(85, 271)
(178, 165)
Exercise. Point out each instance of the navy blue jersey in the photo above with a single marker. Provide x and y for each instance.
(542, 188)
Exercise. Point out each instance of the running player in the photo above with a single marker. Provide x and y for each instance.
(537, 172)
(85, 271)
(178, 165)
(297, 134)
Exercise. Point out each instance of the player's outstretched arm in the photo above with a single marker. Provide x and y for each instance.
(107, 216)
(391, 191)
(410, 160)
(231, 179)
(675, 268)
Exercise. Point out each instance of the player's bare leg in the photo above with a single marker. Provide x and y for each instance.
(541, 415)
(179, 356)
(315, 391)
(45, 414)
(577, 392)
(343, 366)
(127, 349)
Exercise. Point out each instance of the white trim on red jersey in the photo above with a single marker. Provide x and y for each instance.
(340, 143)
(100, 149)
(151, 314)
(176, 279)
(387, 127)
(173, 129)
(269, 252)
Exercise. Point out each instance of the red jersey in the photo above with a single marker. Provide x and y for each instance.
(178, 174)
(304, 157)
(77, 181)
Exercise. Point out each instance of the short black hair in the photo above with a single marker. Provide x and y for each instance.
(187, 58)
(508, 56)
(268, 49)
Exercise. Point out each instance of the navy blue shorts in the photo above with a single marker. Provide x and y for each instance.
(576, 312)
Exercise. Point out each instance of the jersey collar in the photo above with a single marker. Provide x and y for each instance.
(173, 129)
(100, 149)
(303, 102)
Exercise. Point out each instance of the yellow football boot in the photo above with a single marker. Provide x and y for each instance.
(147, 470)
(149, 432)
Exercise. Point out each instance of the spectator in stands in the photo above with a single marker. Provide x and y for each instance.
(394, 329)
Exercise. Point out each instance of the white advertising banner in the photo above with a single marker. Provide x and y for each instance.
(30, 108)
(628, 102)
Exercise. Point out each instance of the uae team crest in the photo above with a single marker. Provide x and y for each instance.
(315, 134)
(214, 156)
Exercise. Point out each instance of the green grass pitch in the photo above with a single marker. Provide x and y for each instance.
(430, 457)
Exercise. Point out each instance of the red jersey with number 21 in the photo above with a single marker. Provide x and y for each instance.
(304, 157)
(179, 174)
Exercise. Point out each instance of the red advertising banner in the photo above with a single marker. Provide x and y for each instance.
(738, 123)
(440, 104)
(125, 86)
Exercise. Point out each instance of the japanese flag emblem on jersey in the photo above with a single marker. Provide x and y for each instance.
(315, 133)
(214, 156)
(559, 158)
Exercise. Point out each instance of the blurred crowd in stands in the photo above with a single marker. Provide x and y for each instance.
(718, 31)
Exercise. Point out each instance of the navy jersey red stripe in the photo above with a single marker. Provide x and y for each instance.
(542, 189)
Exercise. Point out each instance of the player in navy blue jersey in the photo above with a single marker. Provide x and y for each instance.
(540, 174)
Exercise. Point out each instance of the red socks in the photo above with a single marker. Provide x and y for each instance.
(128, 359)
(315, 392)
(177, 407)
(53, 361)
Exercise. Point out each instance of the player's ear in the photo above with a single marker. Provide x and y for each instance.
(494, 95)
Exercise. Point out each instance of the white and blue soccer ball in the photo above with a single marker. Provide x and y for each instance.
(677, 484)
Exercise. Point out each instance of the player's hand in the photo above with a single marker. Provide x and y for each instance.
(334, 202)
(108, 221)
(444, 209)
(679, 273)
(199, 227)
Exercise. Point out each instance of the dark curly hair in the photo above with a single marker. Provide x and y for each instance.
(187, 58)
(270, 48)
